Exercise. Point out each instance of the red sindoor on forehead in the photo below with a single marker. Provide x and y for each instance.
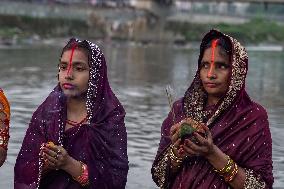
(213, 47)
(74, 46)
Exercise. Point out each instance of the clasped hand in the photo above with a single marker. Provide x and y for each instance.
(54, 156)
(204, 147)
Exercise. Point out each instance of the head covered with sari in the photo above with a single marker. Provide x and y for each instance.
(4, 126)
(4, 120)
(101, 143)
(238, 125)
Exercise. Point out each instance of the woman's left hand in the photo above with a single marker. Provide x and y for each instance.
(55, 157)
(205, 146)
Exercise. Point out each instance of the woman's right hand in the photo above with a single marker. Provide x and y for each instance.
(176, 141)
(56, 157)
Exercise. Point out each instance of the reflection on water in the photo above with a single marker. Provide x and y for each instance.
(138, 76)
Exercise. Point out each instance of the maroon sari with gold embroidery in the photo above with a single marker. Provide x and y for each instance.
(101, 143)
(238, 125)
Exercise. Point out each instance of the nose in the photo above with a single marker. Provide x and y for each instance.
(211, 73)
(69, 73)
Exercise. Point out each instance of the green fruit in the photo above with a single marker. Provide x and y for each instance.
(186, 130)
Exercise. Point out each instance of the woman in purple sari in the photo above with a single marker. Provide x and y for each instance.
(232, 147)
(4, 126)
(76, 137)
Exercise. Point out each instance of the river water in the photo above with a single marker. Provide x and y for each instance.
(138, 76)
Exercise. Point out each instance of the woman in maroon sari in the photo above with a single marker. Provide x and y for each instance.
(235, 149)
(4, 126)
(77, 137)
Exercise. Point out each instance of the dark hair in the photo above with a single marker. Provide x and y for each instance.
(82, 45)
(223, 43)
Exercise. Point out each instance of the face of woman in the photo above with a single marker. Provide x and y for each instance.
(215, 72)
(74, 73)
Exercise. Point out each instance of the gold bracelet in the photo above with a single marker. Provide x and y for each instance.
(233, 174)
(227, 167)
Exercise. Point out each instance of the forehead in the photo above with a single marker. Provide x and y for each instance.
(219, 54)
(78, 54)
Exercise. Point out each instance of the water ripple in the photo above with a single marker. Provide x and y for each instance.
(138, 77)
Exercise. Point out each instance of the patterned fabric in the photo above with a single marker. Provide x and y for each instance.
(253, 181)
(160, 171)
(4, 120)
(101, 143)
(238, 125)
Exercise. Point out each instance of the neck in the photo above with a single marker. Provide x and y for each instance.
(212, 100)
(76, 108)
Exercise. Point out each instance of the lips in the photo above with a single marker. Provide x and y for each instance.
(211, 85)
(68, 86)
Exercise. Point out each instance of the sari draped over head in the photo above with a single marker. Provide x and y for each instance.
(238, 125)
(4, 120)
(101, 143)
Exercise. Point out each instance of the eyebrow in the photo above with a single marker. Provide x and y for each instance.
(205, 61)
(217, 62)
(214, 61)
(76, 63)
(222, 63)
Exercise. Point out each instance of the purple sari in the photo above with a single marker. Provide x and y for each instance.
(101, 143)
(238, 125)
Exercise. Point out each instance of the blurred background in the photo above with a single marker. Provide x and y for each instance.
(148, 45)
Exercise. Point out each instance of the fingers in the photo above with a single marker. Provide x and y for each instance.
(52, 147)
(178, 151)
(58, 150)
(49, 152)
(50, 160)
(52, 155)
(174, 129)
(174, 133)
(175, 137)
(188, 150)
(201, 140)
(203, 148)
(192, 146)
(177, 143)
(207, 131)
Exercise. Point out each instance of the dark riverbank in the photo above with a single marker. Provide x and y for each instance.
(23, 29)
(22, 23)
(257, 30)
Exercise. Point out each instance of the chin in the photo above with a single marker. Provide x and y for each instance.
(214, 93)
(211, 91)
(69, 93)
(75, 95)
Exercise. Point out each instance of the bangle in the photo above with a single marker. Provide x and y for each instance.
(230, 177)
(227, 167)
(173, 157)
(83, 179)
